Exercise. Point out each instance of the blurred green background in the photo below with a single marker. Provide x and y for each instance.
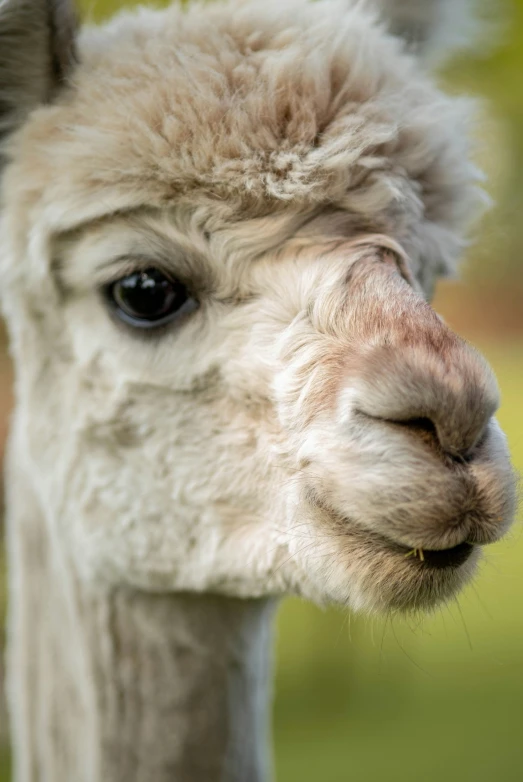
(366, 700)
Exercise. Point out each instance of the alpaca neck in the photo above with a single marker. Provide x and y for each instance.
(127, 686)
(185, 684)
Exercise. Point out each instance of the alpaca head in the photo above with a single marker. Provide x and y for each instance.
(220, 228)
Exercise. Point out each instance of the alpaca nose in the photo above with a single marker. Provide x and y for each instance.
(446, 396)
(415, 372)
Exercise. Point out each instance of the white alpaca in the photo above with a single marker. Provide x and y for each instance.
(219, 229)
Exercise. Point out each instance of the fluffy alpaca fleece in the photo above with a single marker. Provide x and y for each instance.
(297, 168)
(257, 109)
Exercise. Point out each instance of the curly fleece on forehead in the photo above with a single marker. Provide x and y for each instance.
(263, 106)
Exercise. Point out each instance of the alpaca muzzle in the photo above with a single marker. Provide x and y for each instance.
(402, 454)
(414, 371)
(422, 403)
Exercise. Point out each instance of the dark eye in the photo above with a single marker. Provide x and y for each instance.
(147, 299)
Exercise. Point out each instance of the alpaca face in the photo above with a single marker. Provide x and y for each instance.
(217, 245)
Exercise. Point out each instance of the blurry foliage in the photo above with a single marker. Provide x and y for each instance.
(495, 72)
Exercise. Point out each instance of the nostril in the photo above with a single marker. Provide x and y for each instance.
(440, 433)
(422, 427)
(425, 429)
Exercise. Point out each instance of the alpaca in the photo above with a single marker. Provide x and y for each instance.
(220, 229)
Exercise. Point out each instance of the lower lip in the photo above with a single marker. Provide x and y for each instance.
(446, 558)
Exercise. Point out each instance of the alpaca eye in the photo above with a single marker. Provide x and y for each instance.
(147, 299)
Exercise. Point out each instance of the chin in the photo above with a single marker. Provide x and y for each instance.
(395, 578)
(371, 574)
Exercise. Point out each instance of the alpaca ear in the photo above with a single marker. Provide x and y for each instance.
(37, 51)
(432, 28)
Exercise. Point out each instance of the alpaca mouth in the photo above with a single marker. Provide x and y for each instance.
(426, 559)
(450, 558)
(441, 559)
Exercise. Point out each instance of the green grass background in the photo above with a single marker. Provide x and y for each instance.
(438, 699)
